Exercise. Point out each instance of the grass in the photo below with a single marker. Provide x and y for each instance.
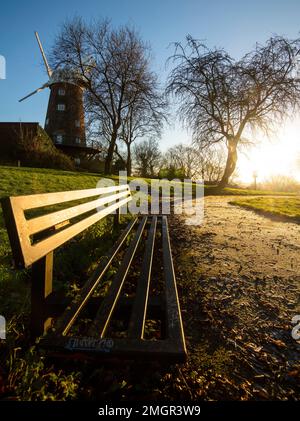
(17, 181)
(288, 207)
(230, 191)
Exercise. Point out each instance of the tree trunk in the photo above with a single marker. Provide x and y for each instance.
(110, 153)
(129, 161)
(230, 163)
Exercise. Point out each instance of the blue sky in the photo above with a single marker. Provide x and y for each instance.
(234, 25)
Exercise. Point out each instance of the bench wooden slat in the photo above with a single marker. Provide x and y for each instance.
(44, 247)
(51, 219)
(106, 309)
(173, 314)
(138, 315)
(12, 231)
(31, 253)
(35, 201)
(68, 318)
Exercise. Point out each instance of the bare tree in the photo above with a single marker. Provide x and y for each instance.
(114, 66)
(212, 164)
(147, 157)
(183, 159)
(99, 136)
(142, 118)
(221, 98)
(195, 163)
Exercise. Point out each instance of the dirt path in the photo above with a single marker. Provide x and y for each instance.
(233, 240)
(239, 283)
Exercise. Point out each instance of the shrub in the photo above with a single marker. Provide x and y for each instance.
(37, 150)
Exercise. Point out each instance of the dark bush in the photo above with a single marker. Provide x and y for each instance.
(37, 150)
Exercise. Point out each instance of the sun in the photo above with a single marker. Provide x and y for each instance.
(277, 156)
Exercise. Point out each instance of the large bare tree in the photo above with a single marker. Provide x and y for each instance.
(222, 98)
(115, 67)
(99, 135)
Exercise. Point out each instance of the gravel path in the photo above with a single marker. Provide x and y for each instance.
(238, 280)
(233, 240)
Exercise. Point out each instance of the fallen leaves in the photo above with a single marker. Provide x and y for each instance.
(277, 342)
(253, 347)
(246, 314)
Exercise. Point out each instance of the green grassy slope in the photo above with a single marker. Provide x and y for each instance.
(288, 207)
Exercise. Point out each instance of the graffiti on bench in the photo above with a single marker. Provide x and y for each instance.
(89, 344)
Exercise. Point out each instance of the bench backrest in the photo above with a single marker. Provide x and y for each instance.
(34, 236)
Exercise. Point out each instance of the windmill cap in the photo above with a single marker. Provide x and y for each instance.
(66, 75)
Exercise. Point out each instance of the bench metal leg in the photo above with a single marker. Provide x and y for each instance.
(117, 216)
(41, 288)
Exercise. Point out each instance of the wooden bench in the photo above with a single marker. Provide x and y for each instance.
(36, 231)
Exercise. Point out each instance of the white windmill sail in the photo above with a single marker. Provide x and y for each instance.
(46, 85)
(48, 69)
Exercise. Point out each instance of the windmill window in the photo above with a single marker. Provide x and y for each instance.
(59, 138)
(77, 123)
(61, 107)
(47, 121)
(61, 92)
(77, 140)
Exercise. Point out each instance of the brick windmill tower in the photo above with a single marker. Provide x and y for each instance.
(65, 114)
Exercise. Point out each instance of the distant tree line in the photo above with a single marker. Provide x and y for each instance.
(180, 161)
(280, 183)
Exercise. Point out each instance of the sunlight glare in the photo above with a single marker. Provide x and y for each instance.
(276, 156)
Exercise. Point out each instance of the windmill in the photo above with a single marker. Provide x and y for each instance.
(65, 114)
